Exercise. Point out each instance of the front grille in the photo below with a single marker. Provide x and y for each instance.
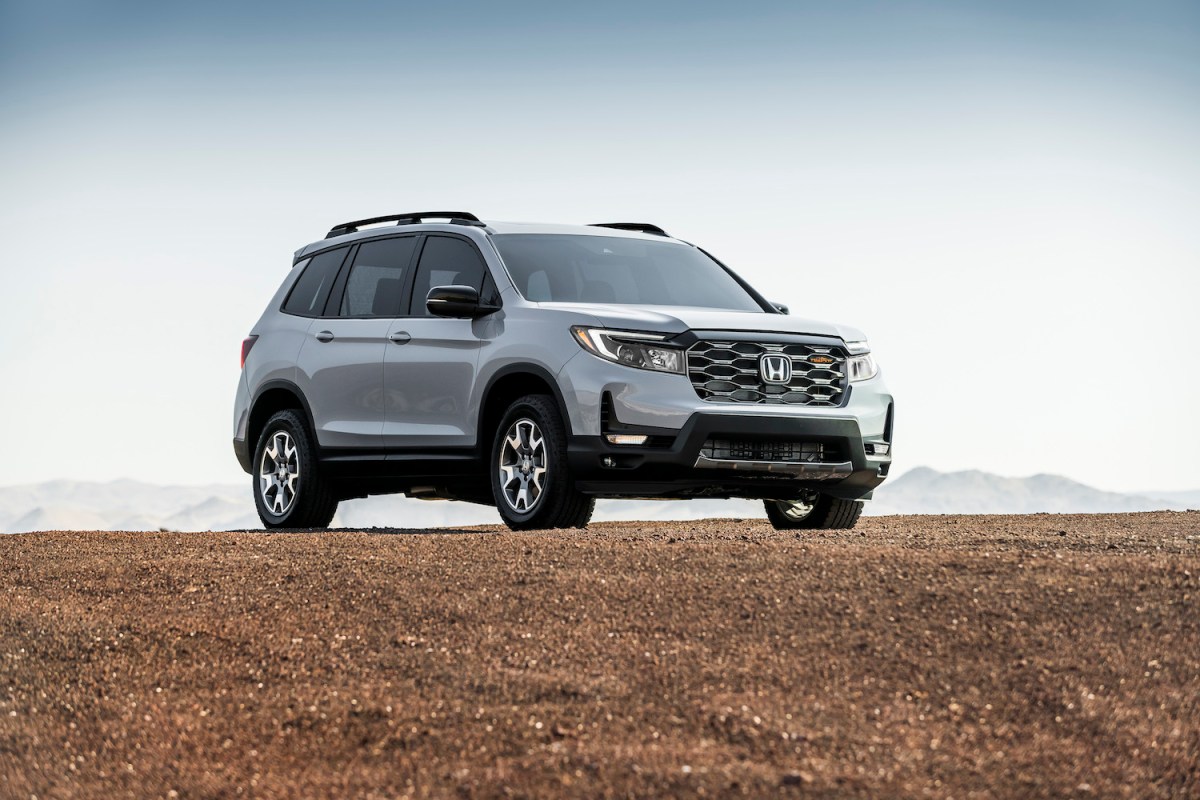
(741, 450)
(729, 372)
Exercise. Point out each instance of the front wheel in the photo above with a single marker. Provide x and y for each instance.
(289, 490)
(813, 511)
(530, 482)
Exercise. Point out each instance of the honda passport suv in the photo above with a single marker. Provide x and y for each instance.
(538, 367)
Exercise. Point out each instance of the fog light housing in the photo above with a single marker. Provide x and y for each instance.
(877, 448)
(625, 438)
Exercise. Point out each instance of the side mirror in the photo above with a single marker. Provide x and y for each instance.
(456, 301)
(781, 308)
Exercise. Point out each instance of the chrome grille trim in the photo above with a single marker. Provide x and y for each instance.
(728, 372)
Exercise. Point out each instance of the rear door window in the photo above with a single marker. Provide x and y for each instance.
(308, 296)
(446, 261)
(377, 281)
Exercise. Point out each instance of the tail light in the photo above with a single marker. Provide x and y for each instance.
(247, 343)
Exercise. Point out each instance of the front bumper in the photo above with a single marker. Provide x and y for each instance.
(611, 398)
(674, 466)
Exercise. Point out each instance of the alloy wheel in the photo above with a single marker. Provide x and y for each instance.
(796, 510)
(279, 473)
(522, 467)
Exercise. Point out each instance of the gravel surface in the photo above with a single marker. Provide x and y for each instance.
(912, 657)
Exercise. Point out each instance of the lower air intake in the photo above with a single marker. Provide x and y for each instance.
(794, 452)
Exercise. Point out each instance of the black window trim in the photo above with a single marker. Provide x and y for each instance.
(339, 287)
(333, 301)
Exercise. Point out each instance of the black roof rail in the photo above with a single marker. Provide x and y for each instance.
(455, 217)
(640, 227)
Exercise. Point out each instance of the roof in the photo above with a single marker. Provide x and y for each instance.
(489, 227)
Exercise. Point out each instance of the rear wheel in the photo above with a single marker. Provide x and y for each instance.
(530, 482)
(813, 511)
(289, 491)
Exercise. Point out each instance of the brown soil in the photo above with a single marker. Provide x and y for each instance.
(914, 656)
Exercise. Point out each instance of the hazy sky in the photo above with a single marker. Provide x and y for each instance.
(1004, 196)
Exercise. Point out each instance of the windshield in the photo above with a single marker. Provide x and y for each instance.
(572, 268)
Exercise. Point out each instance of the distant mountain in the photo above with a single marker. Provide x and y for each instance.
(926, 491)
(122, 504)
(131, 505)
(1190, 499)
(58, 519)
(230, 511)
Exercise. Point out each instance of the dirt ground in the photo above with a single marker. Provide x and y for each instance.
(1035, 656)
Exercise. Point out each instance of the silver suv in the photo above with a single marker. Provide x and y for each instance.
(538, 367)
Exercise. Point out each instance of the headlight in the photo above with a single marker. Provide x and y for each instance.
(639, 350)
(861, 368)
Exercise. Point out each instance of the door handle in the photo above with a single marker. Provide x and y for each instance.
(325, 336)
(400, 337)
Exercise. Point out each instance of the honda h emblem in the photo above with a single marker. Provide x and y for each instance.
(775, 368)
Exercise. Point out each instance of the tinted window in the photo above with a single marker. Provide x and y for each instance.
(376, 284)
(312, 288)
(446, 261)
(570, 268)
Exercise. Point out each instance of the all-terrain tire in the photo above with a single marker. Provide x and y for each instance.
(827, 513)
(559, 504)
(312, 501)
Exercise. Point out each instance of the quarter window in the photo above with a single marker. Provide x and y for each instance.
(375, 287)
(312, 287)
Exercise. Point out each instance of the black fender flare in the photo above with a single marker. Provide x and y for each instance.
(514, 369)
(292, 389)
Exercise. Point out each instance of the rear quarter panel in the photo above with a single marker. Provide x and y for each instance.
(273, 357)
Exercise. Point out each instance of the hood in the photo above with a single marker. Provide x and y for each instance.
(677, 319)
